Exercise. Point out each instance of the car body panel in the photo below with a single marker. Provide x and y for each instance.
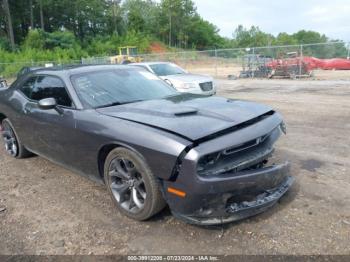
(191, 116)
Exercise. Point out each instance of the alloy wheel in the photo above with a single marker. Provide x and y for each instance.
(10, 141)
(127, 185)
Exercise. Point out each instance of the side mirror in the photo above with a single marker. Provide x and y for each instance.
(47, 103)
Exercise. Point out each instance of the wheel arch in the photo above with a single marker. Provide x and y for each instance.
(106, 149)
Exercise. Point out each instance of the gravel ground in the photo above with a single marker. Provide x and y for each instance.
(45, 209)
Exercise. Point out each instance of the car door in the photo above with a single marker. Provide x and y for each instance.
(52, 131)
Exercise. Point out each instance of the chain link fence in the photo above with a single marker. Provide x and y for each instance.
(278, 61)
(271, 61)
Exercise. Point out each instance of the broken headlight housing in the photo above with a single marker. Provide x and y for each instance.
(246, 156)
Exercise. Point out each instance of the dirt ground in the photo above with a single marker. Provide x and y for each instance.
(224, 70)
(45, 209)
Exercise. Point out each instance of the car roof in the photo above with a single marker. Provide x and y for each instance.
(78, 69)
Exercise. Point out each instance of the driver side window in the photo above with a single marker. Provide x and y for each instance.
(27, 87)
(41, 87)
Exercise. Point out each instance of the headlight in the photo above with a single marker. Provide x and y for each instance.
(188, 85)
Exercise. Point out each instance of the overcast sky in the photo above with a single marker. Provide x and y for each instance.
(331, 17)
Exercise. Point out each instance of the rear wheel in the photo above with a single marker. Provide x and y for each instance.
(131, 184)
(13, 145)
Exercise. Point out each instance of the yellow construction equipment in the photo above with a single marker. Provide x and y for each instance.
(127, 55)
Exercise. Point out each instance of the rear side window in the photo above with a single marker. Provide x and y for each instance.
(41, 87)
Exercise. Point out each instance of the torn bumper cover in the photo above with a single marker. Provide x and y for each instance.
(229, 178)
(236, 198)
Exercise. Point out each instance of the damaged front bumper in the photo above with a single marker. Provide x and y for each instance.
(226, 200)
(238, 211)
(235, 192)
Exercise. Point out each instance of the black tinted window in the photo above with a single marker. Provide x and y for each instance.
(28, 86)
(48, 86)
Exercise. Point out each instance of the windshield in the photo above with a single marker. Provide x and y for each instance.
(119, 86)
(166, 69)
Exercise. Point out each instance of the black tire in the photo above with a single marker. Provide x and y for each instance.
(9, 132)
(142, 183)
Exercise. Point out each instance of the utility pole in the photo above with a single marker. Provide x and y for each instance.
(9, 23)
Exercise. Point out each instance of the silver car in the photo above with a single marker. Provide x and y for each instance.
(179, 78)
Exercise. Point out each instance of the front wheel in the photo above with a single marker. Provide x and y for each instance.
(131, 184)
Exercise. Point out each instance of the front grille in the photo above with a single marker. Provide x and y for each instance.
(250, 155)
(207, 86)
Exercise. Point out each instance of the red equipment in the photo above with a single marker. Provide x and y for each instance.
(292, 66)
(311, 63)
(329, 64)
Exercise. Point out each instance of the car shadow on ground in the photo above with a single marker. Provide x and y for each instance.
(162, 216)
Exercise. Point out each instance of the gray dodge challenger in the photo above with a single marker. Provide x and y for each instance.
(208, 158)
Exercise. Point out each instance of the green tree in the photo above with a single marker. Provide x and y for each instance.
(35, 39)
(141, 16)
(285, 39)
(203, 35)
(252, 37)
(175, 17)
(309, 37)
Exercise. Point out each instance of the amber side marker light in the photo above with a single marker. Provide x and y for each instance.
(176, 192)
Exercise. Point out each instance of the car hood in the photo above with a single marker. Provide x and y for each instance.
(187, 115)
(188, 78)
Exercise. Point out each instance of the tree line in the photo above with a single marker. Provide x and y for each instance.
(174, 22)
(104, 23)
(67, 30)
